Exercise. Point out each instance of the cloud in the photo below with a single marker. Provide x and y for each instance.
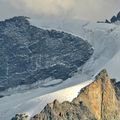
(96, 9)
(44, 7)
(71, 9)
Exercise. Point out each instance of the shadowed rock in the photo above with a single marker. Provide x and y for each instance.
(23, 116)
(118, 16)
(113, 19)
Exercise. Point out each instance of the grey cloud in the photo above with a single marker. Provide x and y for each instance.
(64, 9)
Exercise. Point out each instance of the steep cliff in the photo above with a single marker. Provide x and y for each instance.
(97, 101)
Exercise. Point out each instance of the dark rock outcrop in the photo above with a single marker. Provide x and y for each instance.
(29, 54)
(107, 21)
(113, 19)
(23, 116)
(97, 101)
(118, 16)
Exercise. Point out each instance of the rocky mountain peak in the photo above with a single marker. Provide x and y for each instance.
(97, 101)
(100, 97)
(102, 75)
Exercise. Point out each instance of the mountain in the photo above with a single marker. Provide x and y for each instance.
(30, 54)
(105, 40)
(114, 19)
(99, 100)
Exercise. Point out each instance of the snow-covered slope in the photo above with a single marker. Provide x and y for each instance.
(32, 103)
(113, 67)
(105, 39)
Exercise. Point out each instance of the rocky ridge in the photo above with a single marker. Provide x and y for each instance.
(97, 101)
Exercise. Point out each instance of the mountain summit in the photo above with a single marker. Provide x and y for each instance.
(97, 101)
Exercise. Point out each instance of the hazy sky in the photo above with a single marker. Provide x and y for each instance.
(66, 9)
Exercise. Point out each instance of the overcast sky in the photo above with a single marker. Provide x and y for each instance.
(66, 9)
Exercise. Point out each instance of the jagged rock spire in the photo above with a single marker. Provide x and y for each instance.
(100, 98)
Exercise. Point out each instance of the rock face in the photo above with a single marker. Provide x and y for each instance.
(118, 89)
(23, 116)
(100, 97)
(114, 19)
(118, 16)
(97, 101)
(107, 21)
(29, 54)
(64, 111)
